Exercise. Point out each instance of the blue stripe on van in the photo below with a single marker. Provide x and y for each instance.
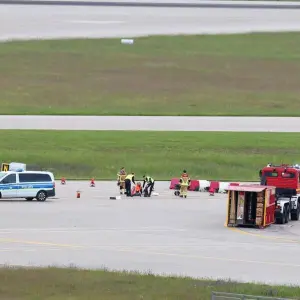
(19, 186)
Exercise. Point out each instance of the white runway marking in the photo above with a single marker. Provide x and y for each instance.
(96, 22)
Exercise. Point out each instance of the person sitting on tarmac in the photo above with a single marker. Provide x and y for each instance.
(149, 187)
(137, 190)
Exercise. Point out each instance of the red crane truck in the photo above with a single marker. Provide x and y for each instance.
(286, 179)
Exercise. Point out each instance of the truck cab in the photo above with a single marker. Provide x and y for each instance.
(286, 179)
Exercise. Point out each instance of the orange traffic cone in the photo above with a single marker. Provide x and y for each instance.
(63, 180)
(92, 184)
(78, 194)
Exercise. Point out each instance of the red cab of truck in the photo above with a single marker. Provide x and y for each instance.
(284, 177)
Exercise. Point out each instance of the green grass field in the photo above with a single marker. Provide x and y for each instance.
(255, 74)
(73, 284)
(82, 154)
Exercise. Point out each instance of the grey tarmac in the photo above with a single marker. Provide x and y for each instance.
(151, 123)
(24, 22)
(164, 234)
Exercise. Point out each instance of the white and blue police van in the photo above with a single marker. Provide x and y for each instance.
(27, 184)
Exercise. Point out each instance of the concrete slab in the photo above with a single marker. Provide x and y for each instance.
(164, 234)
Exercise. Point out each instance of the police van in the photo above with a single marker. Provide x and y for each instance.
(27, 184)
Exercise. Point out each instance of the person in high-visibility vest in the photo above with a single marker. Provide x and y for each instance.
(128, 180)
(121, 180)
(149, 187)
(184, 184)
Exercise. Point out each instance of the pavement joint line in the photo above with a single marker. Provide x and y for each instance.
(150, 247)
(134, 251)
(6, 240)
(211, 258)
(85, 230)
(274, 238)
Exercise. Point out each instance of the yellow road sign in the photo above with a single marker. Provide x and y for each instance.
(4, 167)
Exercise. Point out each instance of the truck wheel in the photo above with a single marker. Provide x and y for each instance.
(295, 214)
(286, 215)
(281, 220)
(41, 196)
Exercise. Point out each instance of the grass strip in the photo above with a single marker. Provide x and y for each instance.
(74, 284)
(244, 74)
(163, 155)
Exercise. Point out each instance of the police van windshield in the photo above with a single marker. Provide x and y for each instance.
(2, 174)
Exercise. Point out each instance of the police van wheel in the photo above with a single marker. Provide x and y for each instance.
(29, 199)
(41, 196)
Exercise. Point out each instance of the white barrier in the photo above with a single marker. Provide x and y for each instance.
(203, 184)
(223, 186)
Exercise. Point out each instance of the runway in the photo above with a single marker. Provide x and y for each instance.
(143, 123)
(40, 21)
(164, 234)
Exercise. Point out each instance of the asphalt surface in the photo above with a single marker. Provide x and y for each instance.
(235, 124)
(164, 234)
(41, 21)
